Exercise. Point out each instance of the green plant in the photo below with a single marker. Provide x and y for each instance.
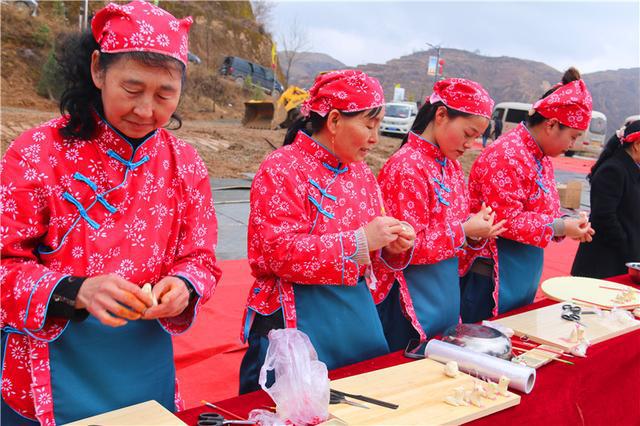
(58, 8)
(51, 83)
(42, 36)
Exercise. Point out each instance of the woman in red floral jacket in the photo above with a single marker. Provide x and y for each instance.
(514, 176)
(316, 225)
(423, 183)
(95, 204)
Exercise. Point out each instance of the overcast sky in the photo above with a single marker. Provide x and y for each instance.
(593, 36)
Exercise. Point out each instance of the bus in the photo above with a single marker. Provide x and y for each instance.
(591, 141)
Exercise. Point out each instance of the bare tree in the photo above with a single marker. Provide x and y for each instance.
(263, 11)
(292, 43)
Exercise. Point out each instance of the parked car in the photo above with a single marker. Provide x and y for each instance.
(30, 5)
(511, 114)
(631, 119)
(239, 69)
(592, 140)
(192, 57)
(398, 117)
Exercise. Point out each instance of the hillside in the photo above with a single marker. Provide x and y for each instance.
(307, 65)
(615, 93)
(220, 28)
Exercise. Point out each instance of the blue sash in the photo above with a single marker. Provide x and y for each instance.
(341, 322)
(435, 292)
(520, 269)
(96, 368)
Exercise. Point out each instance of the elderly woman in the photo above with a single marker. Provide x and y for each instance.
(96, 204)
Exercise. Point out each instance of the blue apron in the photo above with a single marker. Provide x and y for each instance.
(435, 294)
(97, 368)
(520, 269)
(341, 322)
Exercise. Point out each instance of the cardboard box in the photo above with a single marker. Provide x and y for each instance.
(570, 194)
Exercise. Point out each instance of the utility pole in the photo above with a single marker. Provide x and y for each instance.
(86, 14)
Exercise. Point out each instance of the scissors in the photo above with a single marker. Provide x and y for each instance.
(572, 313)
(215, 419)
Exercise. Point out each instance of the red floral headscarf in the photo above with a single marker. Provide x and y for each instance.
(141, 27)
(463, 95)
(344, 90)
(571, 104)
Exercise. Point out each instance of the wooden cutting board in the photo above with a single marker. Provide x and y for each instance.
(144, 414)
(545, 325)
(585, 291)
(419, 388)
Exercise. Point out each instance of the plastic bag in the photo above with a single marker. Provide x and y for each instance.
(301, 388)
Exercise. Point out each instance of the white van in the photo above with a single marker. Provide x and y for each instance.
(592, 140)
(398, 117)
(630, 119)
(511, 114)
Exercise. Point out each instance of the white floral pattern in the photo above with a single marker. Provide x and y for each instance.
(150, 236)
(344, 90)
(411, 192)
(570, 103)
(141, 26)
(463, 95)
(289, 239)
(516, 180)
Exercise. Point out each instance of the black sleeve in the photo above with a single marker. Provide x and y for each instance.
(63, 300)
(607, 188)
(192, 291)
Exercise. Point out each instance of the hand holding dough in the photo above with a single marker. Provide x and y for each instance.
(147, 289)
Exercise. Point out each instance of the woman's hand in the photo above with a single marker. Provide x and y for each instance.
(172, 296)
(579, 229)
(481, 224)
(381, 231)
(406, 239)
(112, 299)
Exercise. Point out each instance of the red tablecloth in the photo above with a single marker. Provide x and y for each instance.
(602, 389)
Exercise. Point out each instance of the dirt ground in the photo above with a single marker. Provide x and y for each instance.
(228, 149)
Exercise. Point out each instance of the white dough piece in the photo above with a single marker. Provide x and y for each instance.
(147, 289)
(451, 369)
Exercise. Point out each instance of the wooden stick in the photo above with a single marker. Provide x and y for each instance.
(222, 410)
(562, 360)
(551, 351)
(533, 345)
(551, 358)
(620, 289)
(606, 307)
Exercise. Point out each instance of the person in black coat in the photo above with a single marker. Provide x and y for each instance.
(615, 208)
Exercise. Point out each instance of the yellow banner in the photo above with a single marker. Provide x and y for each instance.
(274, 55)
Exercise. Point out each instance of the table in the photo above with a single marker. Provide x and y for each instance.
(602, 389)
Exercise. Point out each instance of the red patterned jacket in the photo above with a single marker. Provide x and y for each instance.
(305, 210)
(516, 179)
(427, 190)
(87, 208)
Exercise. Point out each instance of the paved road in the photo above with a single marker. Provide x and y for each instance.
(231, 197)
